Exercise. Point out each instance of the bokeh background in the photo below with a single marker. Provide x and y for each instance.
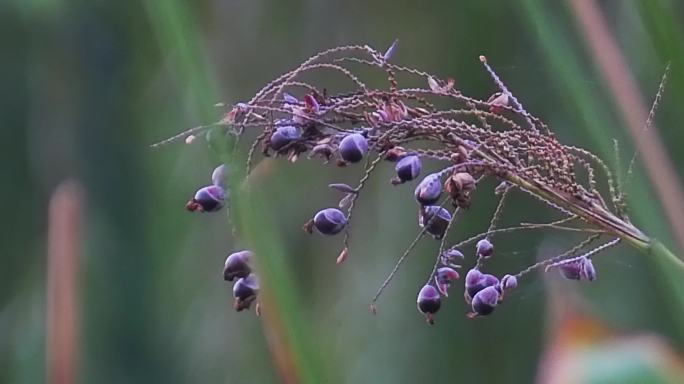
(87, 86)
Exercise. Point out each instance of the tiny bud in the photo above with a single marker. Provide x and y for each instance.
(311, 104)
(509, 282)
(435, 219)
(353, 147)
(484, 248)
(429, 190)
(429, 301)
(485, 301)
(245, 292)
(391, 50)
(443, 277)
(498, 101)
(283, 136)
(394, 154)
(330, 221)
(433, 84)
(207, 199)
(189, 139)
(502, 187)
(588, 272)
(451, 257)
(219, 175)
(343, 256)
(343, 188)
(237, 265)
(408, 168)
(289, 99)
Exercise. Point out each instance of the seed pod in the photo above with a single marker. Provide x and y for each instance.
(435, 219)
(245, 292)
(588, 272)
(485, 301)
(475, 281)
(219, 176)
(353, 147)
(429, 190)
(484, 248)
(407, 169)
(428, 302)
(330, 221)
(207, 199)
(443, 277)
(509, 282)
(237, 265)
(459, 184)
(283, 136)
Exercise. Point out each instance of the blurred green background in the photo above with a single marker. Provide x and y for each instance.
(87, 86)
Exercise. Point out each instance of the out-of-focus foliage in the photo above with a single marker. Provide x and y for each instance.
(87, 86)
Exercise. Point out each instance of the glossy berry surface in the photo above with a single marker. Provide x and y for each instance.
(485, 301)
(428, 300)
(207, 199)
(353, 147)
(435, 220)
(237, 265)
(428, 190)
(330, 221)
(283, 136)
(408, 168)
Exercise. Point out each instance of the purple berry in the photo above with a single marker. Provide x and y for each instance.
(330, 221)
(485, 301)
(353, 147)
(443, 277)
(207, 199)
(237, 265)
(408, 168)
(475, 281)
(435, 219)
(283, 136)
(218, 177)
(451, 256)
(509, 282)
(428, 301)
(485, 248)
(429, 189)
(571, 270)
(245, 292)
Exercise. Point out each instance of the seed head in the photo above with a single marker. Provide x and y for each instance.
(435, 219)
(283, 136)
(407, 169)
(207, 199)
(429, 190)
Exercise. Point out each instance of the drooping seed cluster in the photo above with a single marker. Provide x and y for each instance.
(473, 139)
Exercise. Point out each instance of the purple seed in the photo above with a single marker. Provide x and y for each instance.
(485, 301)
(484, 248)
(428, 300)
(330, 221)
(408, 168)
(283, 136)
(435, 219)
(353, 147)
(245, 292)
(207, 199)
(237, 265)
(429, 189)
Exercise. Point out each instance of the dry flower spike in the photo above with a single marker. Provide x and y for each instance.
(473, 139)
